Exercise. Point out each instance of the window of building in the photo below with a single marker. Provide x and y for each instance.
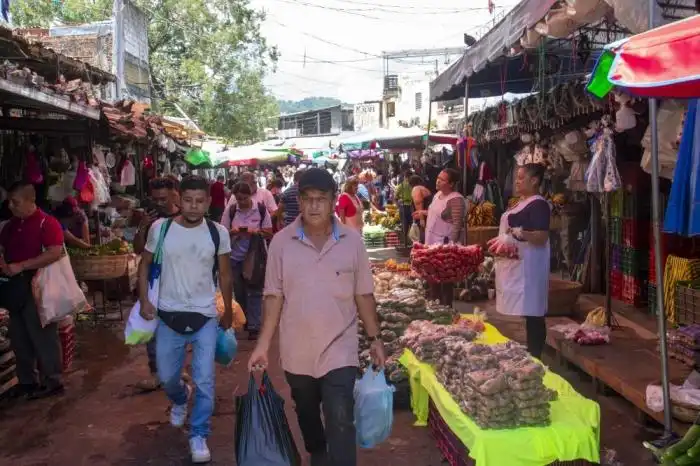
(390, 109)
(419, 100)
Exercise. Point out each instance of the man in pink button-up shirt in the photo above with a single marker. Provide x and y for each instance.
(318, 280)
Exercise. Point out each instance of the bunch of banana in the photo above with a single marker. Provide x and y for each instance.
(375, 217)
(559, 199)
(596, 318)
(482, 215)
(512, 201)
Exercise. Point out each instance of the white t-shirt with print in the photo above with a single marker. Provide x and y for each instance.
(186, 282)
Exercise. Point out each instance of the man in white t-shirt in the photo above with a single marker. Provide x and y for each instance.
(260, 196)
(195, 256)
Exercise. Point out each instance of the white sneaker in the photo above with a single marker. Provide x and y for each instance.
(199, 450)
(178, 415)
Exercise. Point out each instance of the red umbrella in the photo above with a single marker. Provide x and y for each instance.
(662, 63)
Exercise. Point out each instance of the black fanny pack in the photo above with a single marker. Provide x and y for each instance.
(185, 323)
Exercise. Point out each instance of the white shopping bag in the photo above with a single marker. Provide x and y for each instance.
(139, 330)
(56, 292)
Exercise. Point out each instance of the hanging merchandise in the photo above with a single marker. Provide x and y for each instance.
(148, 168)
(32, 170)
(531, 39)
(625, 118)
(577, 176)
(128, 174)
(56, 192)
(87, 193)
(587, 11)
(100, 186)
(681, 216)
(602, 175)
(81, 177)
(479, 194)
(167, 170)
(557, 24)
(634, 14)
(98, 155)
(669, 120)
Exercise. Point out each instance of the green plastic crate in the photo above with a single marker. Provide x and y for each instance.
(635, 262)
(616, 203)
(616, 231)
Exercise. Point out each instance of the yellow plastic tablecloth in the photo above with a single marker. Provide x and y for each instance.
(573, 434)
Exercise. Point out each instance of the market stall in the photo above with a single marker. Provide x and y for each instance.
(503, 400)
(472, 387)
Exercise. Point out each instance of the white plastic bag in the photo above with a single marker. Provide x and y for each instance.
(374, 405)
(56, 292)
(139, 330)
(670, 124)
(414, 233)
(128, 174)
(625, 119)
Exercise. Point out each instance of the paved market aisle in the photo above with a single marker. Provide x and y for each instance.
(102, 421)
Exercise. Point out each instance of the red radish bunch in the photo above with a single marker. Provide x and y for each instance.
(445, 263)
(503, 246)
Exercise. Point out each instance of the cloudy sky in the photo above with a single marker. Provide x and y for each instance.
(332, 48)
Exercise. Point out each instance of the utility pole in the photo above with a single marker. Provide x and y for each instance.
(118, 47)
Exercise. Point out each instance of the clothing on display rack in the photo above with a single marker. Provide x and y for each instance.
(602, 175)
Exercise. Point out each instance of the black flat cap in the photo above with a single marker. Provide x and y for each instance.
(317, 178)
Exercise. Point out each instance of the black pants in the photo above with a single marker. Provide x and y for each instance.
(35, 347)
(406, 216)
(536, 334)
(333, 392)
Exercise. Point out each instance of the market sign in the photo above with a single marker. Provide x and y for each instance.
(367, 116)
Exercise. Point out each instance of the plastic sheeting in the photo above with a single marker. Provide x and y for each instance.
(683, 210)
(572, 435)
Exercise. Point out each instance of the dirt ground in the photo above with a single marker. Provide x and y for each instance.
(102, 420)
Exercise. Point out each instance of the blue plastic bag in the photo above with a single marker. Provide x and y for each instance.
(226, 346)
(374, 415)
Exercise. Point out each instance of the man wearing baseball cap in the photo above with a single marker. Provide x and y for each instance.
(318, 280)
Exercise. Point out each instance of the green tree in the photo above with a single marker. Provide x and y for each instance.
(207, 56)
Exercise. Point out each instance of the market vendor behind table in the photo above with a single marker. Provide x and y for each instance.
(522, 285)
(29, 241)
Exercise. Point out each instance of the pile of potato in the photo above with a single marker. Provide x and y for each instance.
(498, 387)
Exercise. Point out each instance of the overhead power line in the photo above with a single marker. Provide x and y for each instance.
(320, 39)
(402, 10)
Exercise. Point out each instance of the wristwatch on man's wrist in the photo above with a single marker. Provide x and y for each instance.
(374, 338)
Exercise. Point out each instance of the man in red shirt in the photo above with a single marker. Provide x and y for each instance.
(218, 199)
(29, 241)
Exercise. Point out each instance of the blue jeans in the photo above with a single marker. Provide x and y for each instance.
(170, 353)
(249, 298)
